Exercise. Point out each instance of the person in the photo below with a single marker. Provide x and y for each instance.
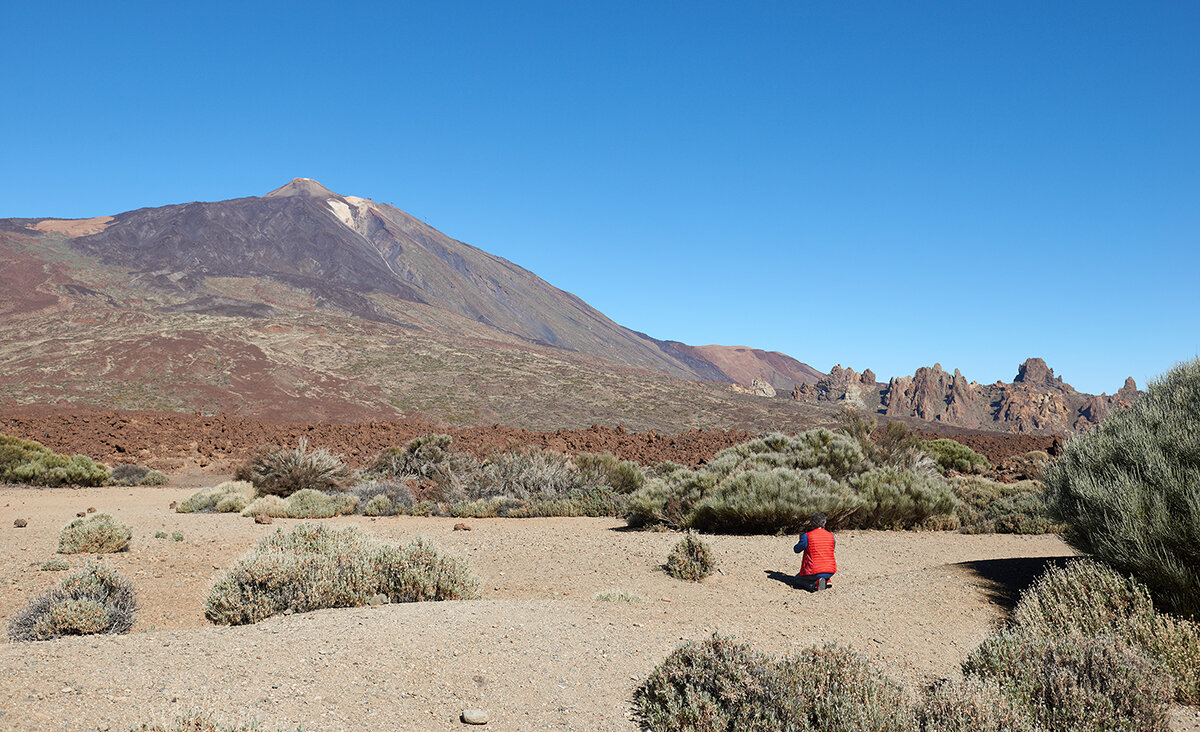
(818, 564)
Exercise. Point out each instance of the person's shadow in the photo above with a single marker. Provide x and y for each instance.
(784, 577)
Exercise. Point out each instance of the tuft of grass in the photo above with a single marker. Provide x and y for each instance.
(618, 596)
(55, 565)
(94, 600)
(690, 560)
(284, 471)
(314, 567)
(96, 534)
(176, 536)
(160, 535)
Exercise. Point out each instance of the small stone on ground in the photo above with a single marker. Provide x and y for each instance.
(474, 716)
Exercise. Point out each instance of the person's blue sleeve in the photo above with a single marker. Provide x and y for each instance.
(802, 544)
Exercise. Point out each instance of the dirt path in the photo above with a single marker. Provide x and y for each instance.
(539, 652)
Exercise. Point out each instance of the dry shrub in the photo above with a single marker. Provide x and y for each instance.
(973, 705)
(314, 567)
(1076, 684)
(55, 565)
(988, 507)
(716, 685)
(1085, 599)
(430, 461)
(383, 497)
(303, 504)
(836, 689)
(527, 474)
(229, 497)
(284, 471)
(132, 474)
(605, 469)
(95, 600)
(690, 560)
(97, 534)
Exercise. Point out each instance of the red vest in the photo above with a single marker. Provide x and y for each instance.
(818, 556)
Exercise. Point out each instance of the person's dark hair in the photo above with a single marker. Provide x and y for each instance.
(817, 521)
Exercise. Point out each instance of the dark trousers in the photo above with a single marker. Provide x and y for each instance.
(809, 581)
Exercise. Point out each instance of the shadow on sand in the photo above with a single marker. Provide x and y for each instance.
(784, 577)
(1006, 579)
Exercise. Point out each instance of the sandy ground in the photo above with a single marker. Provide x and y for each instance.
(538, 652)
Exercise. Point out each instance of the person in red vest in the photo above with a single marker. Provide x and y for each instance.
(818, 564)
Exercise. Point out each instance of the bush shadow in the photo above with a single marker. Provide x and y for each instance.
(1006, 579)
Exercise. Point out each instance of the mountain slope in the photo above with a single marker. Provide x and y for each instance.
(343, 250)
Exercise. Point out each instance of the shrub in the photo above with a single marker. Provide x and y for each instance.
(197, 722)
(95, 600)
(663, 468)
(714, 685)
(838, 455)
(314, 567)
(836, 689)
(304, 504)
(97, 534)
(428, 459)
(1085, 599)
(894, 498)
(528, 474)
(228, 497)
(988, 507)
(154, 477)
(129, 474)
(767, 501)
(282, 472)
(25, 461)
(1085, 684)
(55, 565)
(690, 560)
(953, 455)
(176, 536)
(973, 705)
(623, 476)
(669, 500)
(1030, 466)
(383, 497)
(1129, 489)
(160, 535)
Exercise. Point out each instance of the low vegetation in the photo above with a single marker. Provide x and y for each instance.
(304, 504)
(284, 471)
(618, 596)
(1128, 491)
(314, 567)
(31, 463)
(232, 496)
(988, 507)
(775, 483)
(96, 534)
(690, 560)
(55, 565)
(973, 705)
(951, 455)
(94, 600)
(131, 474)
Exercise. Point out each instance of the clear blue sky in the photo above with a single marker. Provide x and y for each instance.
(879, 185)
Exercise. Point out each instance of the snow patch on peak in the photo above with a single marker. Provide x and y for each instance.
(342, 211)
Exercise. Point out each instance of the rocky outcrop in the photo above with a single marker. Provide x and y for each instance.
(757, 387)
(932, 394)
(841, 385)
(1097, 407)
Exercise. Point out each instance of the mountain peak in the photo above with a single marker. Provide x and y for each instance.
(303, 188)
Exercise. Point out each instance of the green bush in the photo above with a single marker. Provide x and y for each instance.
(1086, 599)
(836, 454)
(690, 560)
(973, 705)
(953, 455)
(768, 501)
(670, 500)
(988, 507)
(1076, 685)
(97, 534)
(836, 689)
(716, 685)
(303, 504)
(1129, 489)
(94, 600)
(154, 477)
(314, 567)
(161, 535)
(31, 463)
(623, 476)
(229, 497)
(284, 471)
(894, 498)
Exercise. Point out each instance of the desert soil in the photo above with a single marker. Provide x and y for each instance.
(538, 652)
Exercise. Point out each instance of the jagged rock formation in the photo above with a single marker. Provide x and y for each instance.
(1036, 401)
(757, 387)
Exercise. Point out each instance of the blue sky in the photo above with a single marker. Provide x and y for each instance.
(879, 185)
